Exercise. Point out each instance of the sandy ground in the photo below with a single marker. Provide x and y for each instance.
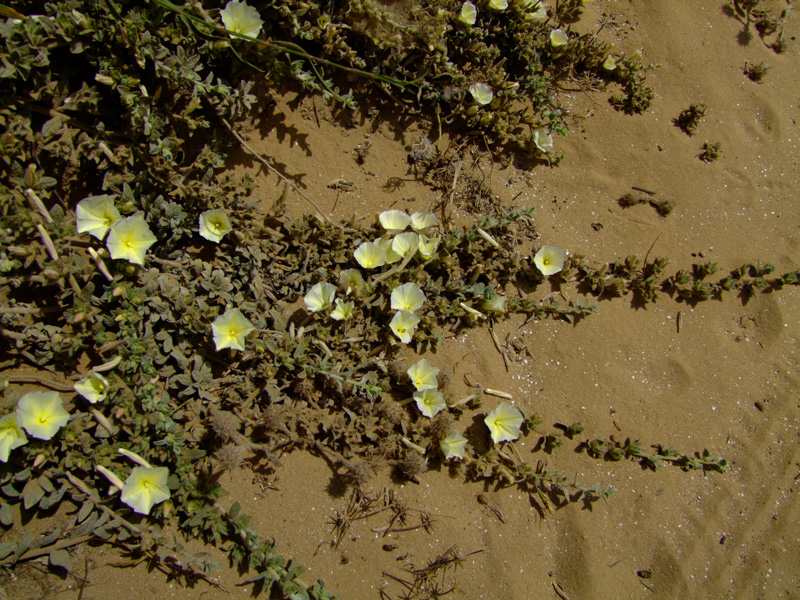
(623, 371)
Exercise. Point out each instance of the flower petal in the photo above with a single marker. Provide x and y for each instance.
(42, 414)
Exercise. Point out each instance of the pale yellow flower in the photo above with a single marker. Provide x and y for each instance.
(430, 402)
(41, 414)
(423, 375)
(408, 297)
(370, 255)
(11, 435)
(427, 246)
(498, 4)
(481, 92)
(453, 445)
(394, 220)
(558, 38)
(404, 324)
(391, 255)
(539, 12)
(549, 260)
(93, 387)
(495, 304)
(214, 225)
(405, 243)
(504, 423)
(343, 310)
(352, 279)
(421, 221)
(320, 297)
(231, 329)
(609, 64)
(468, 13)
(240, 18)
(145, 487)
(95, 215)
(129, 239)
(543, 140)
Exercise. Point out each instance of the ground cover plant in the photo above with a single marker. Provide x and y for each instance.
(176, 334)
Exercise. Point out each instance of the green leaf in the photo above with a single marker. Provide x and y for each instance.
(6, 549)
(24, 545)
(32, 493)
(48, 539)
(61, 558)
(6, 515)
(85, 511)
(53, 498)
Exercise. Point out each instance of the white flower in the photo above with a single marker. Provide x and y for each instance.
(129, 239)
(427, 246)
(498, 4)
(41, 414)
(539, 13)
(352, 279)
(231, 329)
(408, 297)
(94, 215)
(481, 92)
(549, 260)
(453, 445)
(240, 18)
(343, 310)
(320, 297)
(405, 243)
(11, 435)
(430, 402)
(370, 255)
(214, 225)
(494, 304)
(504, 423)
(93, 387)
(558, 38)
(423, 375)
(468, 13)
(394, 220)
(404, 324)
(420, 221)
(543, 140)
(144, 487)
(391, 255)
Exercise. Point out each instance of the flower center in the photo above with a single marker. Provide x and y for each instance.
(42, 419)
(128, 243)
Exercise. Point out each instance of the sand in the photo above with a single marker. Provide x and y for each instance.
(727, 380)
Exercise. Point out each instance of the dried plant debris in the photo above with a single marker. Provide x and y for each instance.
(663, 206)
(434, 580)
(755, 71)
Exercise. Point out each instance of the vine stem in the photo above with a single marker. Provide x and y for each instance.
(288, 47)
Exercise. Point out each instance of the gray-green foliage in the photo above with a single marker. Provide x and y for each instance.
(127, 99)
